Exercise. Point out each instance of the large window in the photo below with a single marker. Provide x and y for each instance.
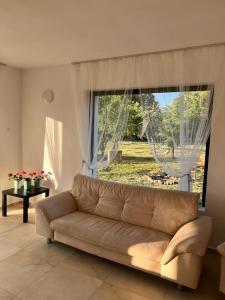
(134, 162)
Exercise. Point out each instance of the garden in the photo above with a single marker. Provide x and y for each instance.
(138, 166)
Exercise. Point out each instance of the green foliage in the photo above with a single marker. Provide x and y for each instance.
(152, 116)
(135, 120)
(184, 113)
(163, 125)
(108, 114)
(108, 110)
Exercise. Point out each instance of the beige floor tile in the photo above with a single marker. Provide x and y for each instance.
(89, 264)
(6, 226)
(192, 295)
(6, 249)
(109, 292)
(22, 235)
(51, 254)
(16, 275)
(4, 295)
(29, 261)
(62, 283)
(138, 282)
(11, 218)
(16, 212)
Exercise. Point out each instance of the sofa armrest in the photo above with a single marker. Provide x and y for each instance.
(221, 249)
(57, 206)
(191, 238)
(48, 209)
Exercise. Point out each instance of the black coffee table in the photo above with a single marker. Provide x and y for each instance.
(25, 195)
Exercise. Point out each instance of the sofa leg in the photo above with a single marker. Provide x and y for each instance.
(180, 287)
(49, 240)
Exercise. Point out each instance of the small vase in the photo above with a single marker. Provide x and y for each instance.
(16, 185)
(27, 184)
(37, 183)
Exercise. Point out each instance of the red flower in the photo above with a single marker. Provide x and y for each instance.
(10, 174)
(42, 172)
(34, 173)
(23, 172)
(31, 174)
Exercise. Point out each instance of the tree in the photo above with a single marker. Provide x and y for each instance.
(135, 120)
(182, 117)
(109, 107)
(151, 116)
(112, 114)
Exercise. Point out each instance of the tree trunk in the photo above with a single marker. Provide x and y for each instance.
(173, 153)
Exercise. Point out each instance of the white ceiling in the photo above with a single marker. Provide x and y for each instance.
(36, 33)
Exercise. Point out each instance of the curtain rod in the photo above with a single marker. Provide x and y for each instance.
(147, 53)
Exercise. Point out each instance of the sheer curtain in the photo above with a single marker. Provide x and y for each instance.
(177, 130)
(174, 71)
(177, 121)
(101, 78)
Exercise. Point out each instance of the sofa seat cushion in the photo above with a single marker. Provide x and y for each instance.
(135, 241)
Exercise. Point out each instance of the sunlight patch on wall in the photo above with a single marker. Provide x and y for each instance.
(53, 150)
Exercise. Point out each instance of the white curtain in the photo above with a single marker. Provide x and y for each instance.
(203, 66)
(177, 126)
(89, 79)
(178, 119)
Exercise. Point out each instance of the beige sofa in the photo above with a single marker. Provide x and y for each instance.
(221, 250)
(156, 231)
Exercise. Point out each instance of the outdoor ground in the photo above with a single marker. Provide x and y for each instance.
(138, 165)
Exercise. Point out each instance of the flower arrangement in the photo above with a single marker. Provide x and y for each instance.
(37, 177)
(17, 176)
(27, 176)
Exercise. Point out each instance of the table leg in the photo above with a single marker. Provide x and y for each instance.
(46, 193)
(4, 205)
(25, 209)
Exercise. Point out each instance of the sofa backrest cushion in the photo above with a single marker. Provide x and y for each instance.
(158, 209)
(86, 193)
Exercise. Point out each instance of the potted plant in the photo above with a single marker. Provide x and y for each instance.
(38, 177)
(16, 179)
(27, 180)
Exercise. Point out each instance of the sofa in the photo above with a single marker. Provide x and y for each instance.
(153, 230)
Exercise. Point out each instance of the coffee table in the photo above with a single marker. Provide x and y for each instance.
(25, 195)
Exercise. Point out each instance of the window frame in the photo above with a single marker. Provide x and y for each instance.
(136, 91)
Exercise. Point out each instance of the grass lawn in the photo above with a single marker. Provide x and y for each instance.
(138, 165)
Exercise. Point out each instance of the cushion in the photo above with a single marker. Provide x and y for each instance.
(86, 194)
(121, 237)
(138, 207)
(99, 197)
(173, 209)
(111, 201)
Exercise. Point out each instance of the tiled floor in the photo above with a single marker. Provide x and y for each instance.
(32, 270)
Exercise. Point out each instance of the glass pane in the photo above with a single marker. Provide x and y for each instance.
(134, 163)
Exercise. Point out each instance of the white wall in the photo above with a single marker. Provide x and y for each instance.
(35, 111)
(10, 123)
